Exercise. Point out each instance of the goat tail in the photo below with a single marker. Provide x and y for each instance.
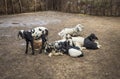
(60, 34)
(18, 35)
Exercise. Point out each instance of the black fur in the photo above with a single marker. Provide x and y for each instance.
(89, 42)
(28, 38)
(92, 37)
(27, 35)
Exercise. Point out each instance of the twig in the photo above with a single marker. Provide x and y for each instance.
(20, 6)
(13, 7)
(6, 7)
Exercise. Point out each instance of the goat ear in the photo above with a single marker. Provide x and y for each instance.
(77, 29)
(90, 37)
(46, 32)
(33, 30)
(20, 34)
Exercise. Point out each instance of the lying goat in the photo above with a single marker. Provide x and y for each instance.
(63, 46)
(30, 38)
(52, 49)
(88, 42)
(72, 31)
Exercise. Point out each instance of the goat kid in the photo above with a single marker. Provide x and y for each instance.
(52, 50)
(88, 42)
(29, 38)
(38, 31)
(63, 46)
(75, 31)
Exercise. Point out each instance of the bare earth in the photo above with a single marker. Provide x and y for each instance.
(103, 63)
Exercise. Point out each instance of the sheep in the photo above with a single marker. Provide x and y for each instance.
(86, 43)
(34, 36)
(75, 31)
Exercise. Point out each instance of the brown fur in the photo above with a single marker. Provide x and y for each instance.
(37, 44)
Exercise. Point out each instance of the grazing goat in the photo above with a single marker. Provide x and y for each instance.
(32, 36)
(38, 31)
(72, 31)
(88, 42)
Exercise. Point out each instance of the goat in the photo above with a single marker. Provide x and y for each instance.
(88, 42)
(63, 47)
(75, 31)
(52, 49)
(38, 44)
(69, 48)
(29, 36)
(38, 31)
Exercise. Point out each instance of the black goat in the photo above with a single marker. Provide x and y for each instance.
(27, 35)
(90, 43)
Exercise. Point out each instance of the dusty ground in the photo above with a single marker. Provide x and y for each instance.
(103, 63)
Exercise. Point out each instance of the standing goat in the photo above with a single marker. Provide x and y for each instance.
(31, 36)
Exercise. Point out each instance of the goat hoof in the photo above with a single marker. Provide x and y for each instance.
(32, 53)
(81, 55)
(40, 52)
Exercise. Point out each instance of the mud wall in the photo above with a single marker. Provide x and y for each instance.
(92, 7)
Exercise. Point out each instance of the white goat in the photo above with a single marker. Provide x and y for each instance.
(75, 31)
(88, 42)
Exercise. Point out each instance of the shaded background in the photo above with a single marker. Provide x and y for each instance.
(92, 7)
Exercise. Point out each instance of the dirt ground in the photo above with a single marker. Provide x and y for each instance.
(103, 63)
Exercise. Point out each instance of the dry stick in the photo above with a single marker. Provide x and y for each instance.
(13, 7)
(35, 6)
(6, 7)
(39, 5)
(103, 7)
(46, 4)
(20, 6)
(110, 7)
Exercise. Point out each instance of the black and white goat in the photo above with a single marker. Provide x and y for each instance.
(75, 31)
(88, 42)
(38, 31)
(34, 34)
(63, 47)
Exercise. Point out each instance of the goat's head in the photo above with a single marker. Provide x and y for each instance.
(21, 34)
(79, 27)
(69, 39)
(36, 33)
(92, 37)
(49, 47)
(68, 36)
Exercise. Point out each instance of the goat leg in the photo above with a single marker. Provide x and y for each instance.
(32, 47)
(40, 51)
(26, 47)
